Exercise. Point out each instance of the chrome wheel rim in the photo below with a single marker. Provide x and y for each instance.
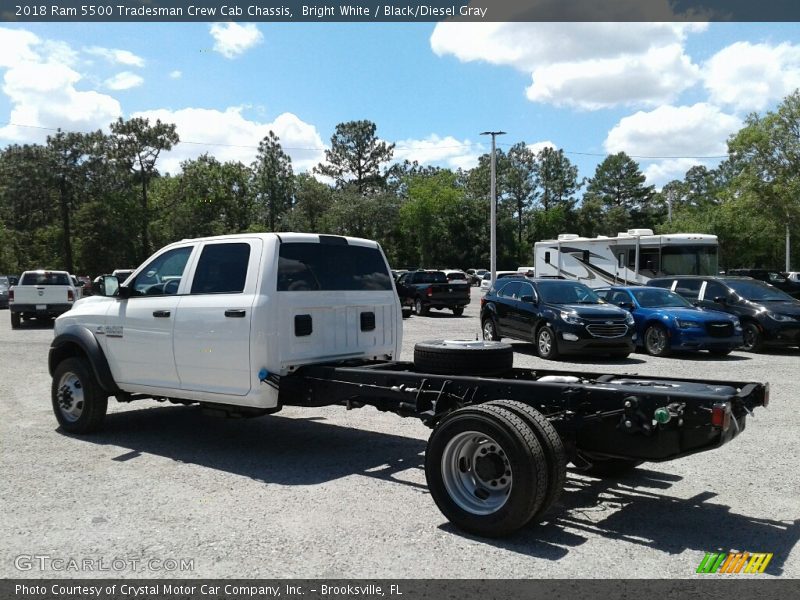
(488, 330)
(655, 340)
(476, 473)
(70, 397)
(418, 306)
(545, 342)
(749, 338)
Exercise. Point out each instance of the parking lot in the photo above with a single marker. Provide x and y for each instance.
(331, 493)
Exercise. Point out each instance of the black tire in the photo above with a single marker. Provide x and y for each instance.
(79, 402)
(554, 451)
(419, 308)
(407, 312)
(15, 320)
(547, 343)
(489, 330)
(458, 311)
(753, 340)
(719, 352)
(498, 495)
(656, 340)
(463, 357)
(610, 468)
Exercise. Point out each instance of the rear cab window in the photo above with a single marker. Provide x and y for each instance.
(45, 278)
(322, 267)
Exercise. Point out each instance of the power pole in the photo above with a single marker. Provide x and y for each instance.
(493, 210)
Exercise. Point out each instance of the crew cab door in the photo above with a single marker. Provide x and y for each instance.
(212, 324)
(138, 329)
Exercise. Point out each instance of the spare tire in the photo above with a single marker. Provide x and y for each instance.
(463, 357)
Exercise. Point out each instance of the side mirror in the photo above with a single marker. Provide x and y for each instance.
(109, 286)
(721, 300)
(626, 305)
(528, 299)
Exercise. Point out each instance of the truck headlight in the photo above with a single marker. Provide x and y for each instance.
(737, 324)
(685, 324)
(571, 317)
(629, 320)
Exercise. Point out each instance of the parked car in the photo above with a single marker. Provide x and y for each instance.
(776, 278)
(486, 282)
(793, 276)
(424, 290)
(558, 316)
(41, 295)
(5, 284)
(457, 276)
(666, 321)
(769, 316)
(476, 275)
(86, 285)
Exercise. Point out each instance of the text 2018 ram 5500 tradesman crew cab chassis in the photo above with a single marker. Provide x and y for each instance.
(246, 324)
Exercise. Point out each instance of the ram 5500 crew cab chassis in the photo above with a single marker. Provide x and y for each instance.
(247, 324)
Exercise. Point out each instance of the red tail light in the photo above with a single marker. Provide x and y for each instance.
(70, 296)
(483, 301)
(721, 415)
(429, 292)
(10, 295)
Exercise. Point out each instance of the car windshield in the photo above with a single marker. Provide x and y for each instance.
(3, 281)
(659, 298)
(456, 276)
(758, 291)
(567, 292)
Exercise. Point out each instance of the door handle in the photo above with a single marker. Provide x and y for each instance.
(160, 313)
(239, 313)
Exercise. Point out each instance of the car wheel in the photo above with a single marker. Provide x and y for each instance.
(463, 357)
(486, 470)
(78, 400)
(489, 330)
(458, 311)
(407, 312)
(419, 308)
(546, 343)
(753, 340)
(15, 320)
(656, 340)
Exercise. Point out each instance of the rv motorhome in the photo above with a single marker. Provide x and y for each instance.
(630, 258)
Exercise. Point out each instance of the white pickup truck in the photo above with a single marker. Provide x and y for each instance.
(246, 324)
(41, 295)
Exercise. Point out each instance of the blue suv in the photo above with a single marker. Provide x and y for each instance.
(666, 321)
(558, 316)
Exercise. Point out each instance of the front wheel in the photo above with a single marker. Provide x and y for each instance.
(486, 470)
(489, 330)
(656, 340)
(78, 400)
(753, 340)
(546, 343)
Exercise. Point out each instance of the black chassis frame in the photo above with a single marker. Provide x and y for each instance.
(600, 416)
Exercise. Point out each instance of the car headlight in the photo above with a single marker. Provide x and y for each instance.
(681, 324)
(571, 317)
(737, 324)
(629, 320)
(779, 317)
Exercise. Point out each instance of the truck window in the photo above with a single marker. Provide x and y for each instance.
(45, 278)
(331, 267)
(222, 269)
(689, 288)
(162, 275)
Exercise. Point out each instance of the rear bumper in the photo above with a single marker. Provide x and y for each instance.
(32, 310)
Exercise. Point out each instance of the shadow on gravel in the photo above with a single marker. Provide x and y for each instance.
(578, 359)
(272, 449)
(633, 510)
(440, 314)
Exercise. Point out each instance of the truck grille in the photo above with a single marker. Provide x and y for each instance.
(606, 330)
(719, 328)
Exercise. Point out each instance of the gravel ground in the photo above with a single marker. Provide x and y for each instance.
(330, 493)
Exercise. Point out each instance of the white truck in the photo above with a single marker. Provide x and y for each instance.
(246, 324)
(41, 295)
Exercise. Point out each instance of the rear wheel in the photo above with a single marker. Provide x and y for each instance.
(656, 340)
(546, 343)
(554, 451)
(15, 320)
(419, 308)
(78, 400)
(486, 470)
(753, 340)
(463, 357)
(458, 311)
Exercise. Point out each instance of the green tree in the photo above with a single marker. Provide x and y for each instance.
(273, 181)
(137, 145)
(519, 182)
(312, 201)
(556, 179)
(618, 184)
(355, 157)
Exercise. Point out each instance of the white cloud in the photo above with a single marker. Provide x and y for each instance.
(585, 65)
(229, 136)
(680, 135)
(232, 39)
(443, 151)
(750, 76)
(175, 74)
(124, 81)
(41, 87)
(116, 56)
(537, 147)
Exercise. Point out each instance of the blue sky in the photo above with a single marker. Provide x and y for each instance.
(675, 91)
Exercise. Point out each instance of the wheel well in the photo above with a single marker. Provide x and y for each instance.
(65, 351)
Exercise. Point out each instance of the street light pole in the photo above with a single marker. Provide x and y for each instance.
(493, 210)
